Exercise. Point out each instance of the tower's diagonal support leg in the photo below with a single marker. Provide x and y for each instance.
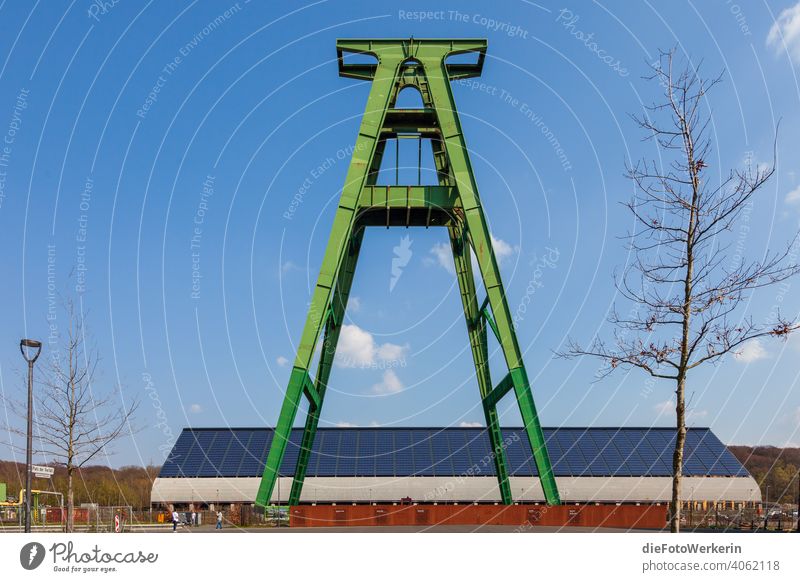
(333, 328)
(480, 354)
(360, 171)
(461, 170)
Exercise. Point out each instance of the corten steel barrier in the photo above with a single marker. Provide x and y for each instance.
(611, 516)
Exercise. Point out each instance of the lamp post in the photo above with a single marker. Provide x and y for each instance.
(30, 351)
(766, 509)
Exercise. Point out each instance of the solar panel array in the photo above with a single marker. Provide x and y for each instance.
(437, 452)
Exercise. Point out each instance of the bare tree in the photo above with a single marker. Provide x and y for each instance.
(686, 289)
(74, 421)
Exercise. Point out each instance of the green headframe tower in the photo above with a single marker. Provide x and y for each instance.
(452, 203)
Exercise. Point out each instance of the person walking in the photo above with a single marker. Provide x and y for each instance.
(219, 520)
(175, 519)
(194, 518)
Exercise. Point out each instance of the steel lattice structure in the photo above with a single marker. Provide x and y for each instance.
(453, 203)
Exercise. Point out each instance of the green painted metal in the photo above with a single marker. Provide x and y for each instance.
(503, 388)
(453, 203)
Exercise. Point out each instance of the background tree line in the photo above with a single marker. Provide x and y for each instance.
(774, 467)
(94, 484)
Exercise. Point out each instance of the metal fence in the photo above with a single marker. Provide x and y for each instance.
(749, 519)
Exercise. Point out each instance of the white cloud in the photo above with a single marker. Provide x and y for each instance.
(465, 424)
(282, 361)
(357, 348)
(390, 351)
(374, 423)
(502, 250)
(444, 257)
(354, 304)
(694, 415)
(390, 384)
(343, 424)
(751, 351)
(443, 254)
(195, 409)
(289, 266)
(785, 32)
(793, 197)
(665, 407)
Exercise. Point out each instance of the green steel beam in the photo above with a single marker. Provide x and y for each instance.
(505, 385)
(454, 202)
(438, 78)
(490, 320)
(357, 175)
(480, 356)
(311, 393)
(332, 331)
(522, 389)
(417, 48)
(442, 197)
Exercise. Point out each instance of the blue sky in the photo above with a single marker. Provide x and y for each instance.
(135, 127)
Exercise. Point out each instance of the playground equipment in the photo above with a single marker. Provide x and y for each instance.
(38, 513)
(452, 203)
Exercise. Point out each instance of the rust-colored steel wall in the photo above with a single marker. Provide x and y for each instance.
(612, 516)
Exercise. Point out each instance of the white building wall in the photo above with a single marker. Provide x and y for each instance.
(444, 489)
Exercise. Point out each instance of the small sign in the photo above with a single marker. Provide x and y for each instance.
(42, 471)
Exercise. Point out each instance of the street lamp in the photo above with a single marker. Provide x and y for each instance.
(30, 351)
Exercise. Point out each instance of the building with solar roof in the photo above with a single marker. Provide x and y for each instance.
(213, 466)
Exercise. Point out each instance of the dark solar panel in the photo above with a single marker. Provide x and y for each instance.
(365, 459)
(518, 454)
(346, 467)
(403, 456)
(449, 452)
(594, 466)
(442, 457)
(423, 458)
(314, 456)
(459, 451)
(233, 456)
(384, 453)
(329, 442)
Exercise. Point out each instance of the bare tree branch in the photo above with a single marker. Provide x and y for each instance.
(74, 421)
(685, 290)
